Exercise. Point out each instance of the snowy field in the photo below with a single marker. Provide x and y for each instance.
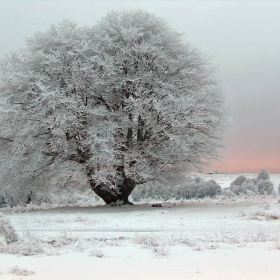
(221, 239)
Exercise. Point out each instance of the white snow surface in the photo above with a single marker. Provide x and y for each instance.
(223, 239)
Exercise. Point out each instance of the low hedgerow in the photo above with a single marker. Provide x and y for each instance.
(194, 188)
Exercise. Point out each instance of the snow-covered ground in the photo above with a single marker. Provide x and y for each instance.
(221, 239)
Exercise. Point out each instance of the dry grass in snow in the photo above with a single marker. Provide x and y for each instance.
(21, 271)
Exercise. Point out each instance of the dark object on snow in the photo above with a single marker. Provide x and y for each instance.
(156, 205)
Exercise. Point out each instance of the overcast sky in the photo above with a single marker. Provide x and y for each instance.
(242, 37)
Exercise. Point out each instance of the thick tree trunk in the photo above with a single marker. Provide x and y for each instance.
(114, 195)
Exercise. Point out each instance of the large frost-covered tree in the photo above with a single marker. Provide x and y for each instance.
(127, 100)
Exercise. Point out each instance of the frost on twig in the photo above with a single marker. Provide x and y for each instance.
(7, 230)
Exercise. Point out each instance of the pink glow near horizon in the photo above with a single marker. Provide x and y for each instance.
(246, 161)
(254, 145)
(235, 164)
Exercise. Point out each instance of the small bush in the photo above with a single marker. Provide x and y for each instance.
(238, 181)
(247, 187)
(260, 185)
(263, 175)
(265, 187)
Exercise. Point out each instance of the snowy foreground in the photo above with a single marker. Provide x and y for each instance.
(221, 239)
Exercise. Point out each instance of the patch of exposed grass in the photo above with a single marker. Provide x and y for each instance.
(264, 216)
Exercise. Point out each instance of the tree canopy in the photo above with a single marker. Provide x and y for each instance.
(127, 99)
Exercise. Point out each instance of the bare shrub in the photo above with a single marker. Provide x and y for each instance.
(161, 250)
(267, 206)
(195, 244)
(23, 248)
(96, 253)
(146, 240)
(63, 240)
(261, 236)
(277, 246)
(150, 241)
(81, 219)
(7, 230)
(21, 271)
